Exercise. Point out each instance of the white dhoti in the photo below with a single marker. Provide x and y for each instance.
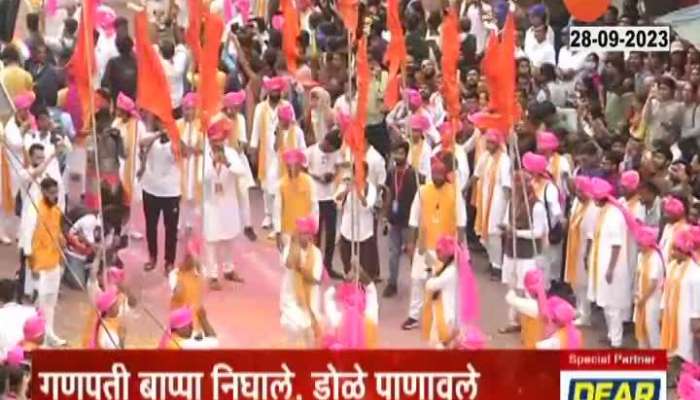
(418, 277)
(218, 258)
(494, 249)
(47, 284)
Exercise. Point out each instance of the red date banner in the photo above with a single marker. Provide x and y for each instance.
(298, 375)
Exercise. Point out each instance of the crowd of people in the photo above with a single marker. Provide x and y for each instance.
(591, 203)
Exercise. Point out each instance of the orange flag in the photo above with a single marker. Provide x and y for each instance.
(81, 65)
(290, 33)
(356, 139)
(450, 58)
(395, 53)
(153, 92)
(210, 94)
(508, 73)
(194, 29)
(348, 10)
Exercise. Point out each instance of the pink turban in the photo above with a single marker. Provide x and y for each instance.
(419, 122)
(125, 103)
(190, 100)
(547, 141)
(294, 157)
(583, 185)
(34, 327)
(684, 241)
(219, 130)
(646, 236)
(285, 112)
(24, 100)
(535, 163)
(307, 225)
(600, 188)
(630, 180)
(15, 356)
(561, 311)
(673, 207)
(414, 97)
(446, 245)
(180, 318)
(115, 275)
(232, 99)
(277, 83)
(277, 22)
(534, 284)
(106, 300)
(343, 120)
(495, 135)
(105, 19)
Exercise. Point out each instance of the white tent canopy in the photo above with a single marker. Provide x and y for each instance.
(685, 22)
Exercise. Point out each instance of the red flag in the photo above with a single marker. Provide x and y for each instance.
(194, 29)
(290, 33)
(348, 10)
(153, 92)
(450, 58)
(210, 94)
(395, 53)
(81, 65)
(356, 134)
(508, 73)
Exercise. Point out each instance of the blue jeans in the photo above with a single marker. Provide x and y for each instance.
(398, 236)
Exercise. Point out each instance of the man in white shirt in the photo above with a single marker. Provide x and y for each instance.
(352, 199)
(174, 60)
(161, 194)
(324, 159)
(541, 51)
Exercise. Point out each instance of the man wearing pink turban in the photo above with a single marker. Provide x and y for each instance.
(399, 118)
(294, 198)
(192, 135)
(300, 296)
(223, 167)
(674, 213)
(609, 277)
(648, 288)
(582, 219)
(419, 152)
(530, 303)
(679, 331)
(565, 336)
(631, 201)
(179, 334)
(132, 130)
(264, 143)
(558, 166)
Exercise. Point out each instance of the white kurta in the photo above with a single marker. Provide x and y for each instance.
(192, 171)
(502, 182)
(637, 211)
(248, 181)
(652, 307)
(586, 230)
(688, 308)
(446, 284)
(222, 219)
(667, 235)
(617, 294)
(294, 318)
(12, 138)
(257, 136)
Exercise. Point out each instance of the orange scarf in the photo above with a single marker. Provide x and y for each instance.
(483, 212)
(296, 200)
(573, 244)
(438, 213)
(433, 311)
(191, 130)
(595, 252)
(554, 167)
(234, 138)
(640, 318)
(288, 141)
(672, 297)
(8, 200)
(302, 289)
(128, 178)
(262, 142)
(532, 330)
(416, 153)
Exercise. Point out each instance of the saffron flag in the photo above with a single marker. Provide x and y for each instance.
(395, 53)
(290, 33)
(81, 65)
(356, 133)
(153, 92)
(348, 10)
(450, 58)
(210, 94)
(194, 29)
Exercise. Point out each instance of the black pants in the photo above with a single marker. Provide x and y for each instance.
(326, 221)
(369, 256)
(170, 207)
